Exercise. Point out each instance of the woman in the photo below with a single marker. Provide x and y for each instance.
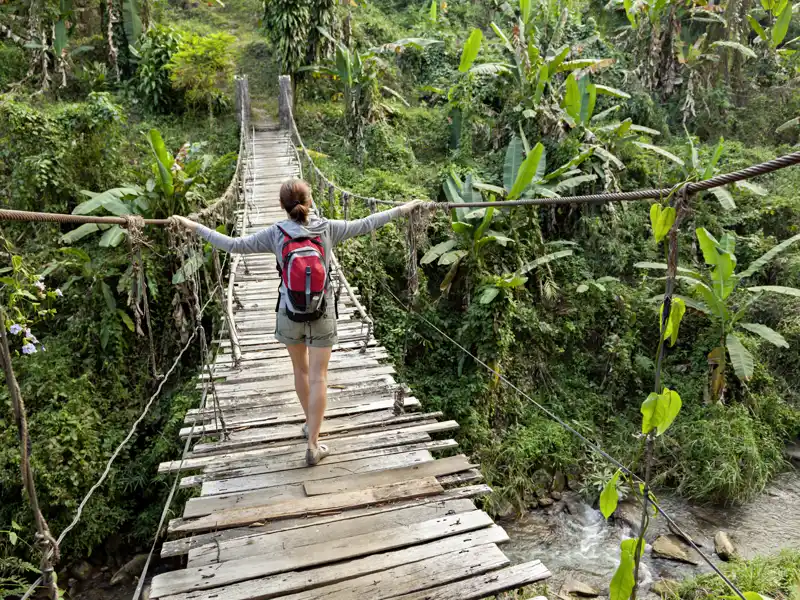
(306, 321)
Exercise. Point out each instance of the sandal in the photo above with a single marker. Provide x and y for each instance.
(305, 430)
(314, 456)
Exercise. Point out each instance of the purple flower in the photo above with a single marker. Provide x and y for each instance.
(15, 329)
(28, 349)
(59, 293)
(40, 284)
(28, 333)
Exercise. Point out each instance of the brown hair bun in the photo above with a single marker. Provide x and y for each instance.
(295, 198)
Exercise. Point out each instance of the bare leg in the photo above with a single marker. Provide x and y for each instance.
(318, 398)
(299, 356)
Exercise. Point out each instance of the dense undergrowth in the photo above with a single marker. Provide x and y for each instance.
(578, 336)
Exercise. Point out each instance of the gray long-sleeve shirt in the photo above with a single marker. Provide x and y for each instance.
(330, 232)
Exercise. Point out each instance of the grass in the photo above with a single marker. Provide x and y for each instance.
(775, 576)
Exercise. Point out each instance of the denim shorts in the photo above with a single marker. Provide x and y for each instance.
(317, 334)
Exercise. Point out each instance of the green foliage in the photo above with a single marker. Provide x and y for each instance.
(770, 576)
(291, 26)
(203, 68)
(152, 84)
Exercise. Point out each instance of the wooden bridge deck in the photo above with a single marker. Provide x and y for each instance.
(379, 518)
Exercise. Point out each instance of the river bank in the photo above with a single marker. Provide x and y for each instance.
(577, 544)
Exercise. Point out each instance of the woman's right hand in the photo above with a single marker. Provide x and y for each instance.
(408, 207)
(185, 223)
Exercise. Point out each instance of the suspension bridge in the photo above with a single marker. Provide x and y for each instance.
(389, 514)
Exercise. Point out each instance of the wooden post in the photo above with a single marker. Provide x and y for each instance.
(285, 102)
(242, 100)
(44, 540)
(331, 201)
(345, 206)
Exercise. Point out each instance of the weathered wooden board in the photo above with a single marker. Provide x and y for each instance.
(243, 468)
(413, 577)
(215, 426)
(443, 466)
(334, 427)
(336, 444)
(485, 585)
(296, 581)
(219, 574)
(184, 545)
(268, 544)
(310, 506)
(225, 489)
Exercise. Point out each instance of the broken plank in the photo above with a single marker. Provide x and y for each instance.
(444, 466)
(220, 574)
(310, 506)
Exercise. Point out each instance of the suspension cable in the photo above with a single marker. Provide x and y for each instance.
(592, 445)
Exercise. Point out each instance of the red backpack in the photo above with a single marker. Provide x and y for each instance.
(304, 276)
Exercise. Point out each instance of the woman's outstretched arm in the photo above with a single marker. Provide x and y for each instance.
(344, 230)
(256, 243)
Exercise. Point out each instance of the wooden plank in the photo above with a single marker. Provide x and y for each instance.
(298, 416)
(310, 506)
(267, 544)
(288, 407)
(485, 585)
(285, 433)
(296, 581)
(220, 574)
(244, 468)
(413, 577)
(225, 488)
(184, 545)
(337, 445)
(443, 466)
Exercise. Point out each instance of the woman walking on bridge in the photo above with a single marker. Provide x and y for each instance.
(306, 319)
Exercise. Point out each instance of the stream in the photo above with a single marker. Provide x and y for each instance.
(574, 541)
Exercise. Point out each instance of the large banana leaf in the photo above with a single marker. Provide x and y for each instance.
(79, 233)
(514, 157)
(781, 27)
(526, 172)
(131, 20)
(741, 359)
(660, 151)
(542, 260)
(724, 198)
(758, 263)
(777, 289)
(164, 162)
(740, 48)
(112, 237)
(436, 251)
(111, 200)
(767, 333)
(470, 52)
(572, 98)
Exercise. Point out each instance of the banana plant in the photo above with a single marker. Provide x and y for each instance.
(171, 190)
(701, 172)
(471, 228)
(780, 13)
(713, 289)
(358, 76)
